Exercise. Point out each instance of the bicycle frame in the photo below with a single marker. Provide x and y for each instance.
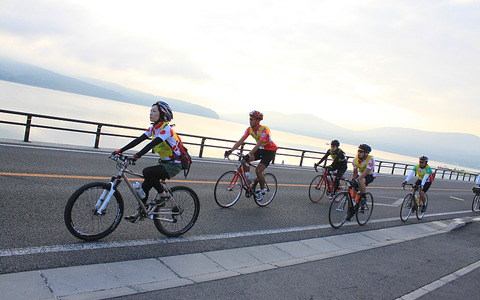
(240, 173)
(115, 182)
(328, 178)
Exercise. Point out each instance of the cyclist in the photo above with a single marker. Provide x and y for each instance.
(363, 173)
(425, 178)
(339, 163)
(265, 149)
(165, 143)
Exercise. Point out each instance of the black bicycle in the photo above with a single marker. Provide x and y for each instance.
(346, 204)
(95, 209)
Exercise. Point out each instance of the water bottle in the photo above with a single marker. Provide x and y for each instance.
(139, 190)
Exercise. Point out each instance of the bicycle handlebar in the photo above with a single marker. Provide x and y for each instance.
(415, 186)
(123, 158)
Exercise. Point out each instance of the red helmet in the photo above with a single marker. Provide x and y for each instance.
(256, 114)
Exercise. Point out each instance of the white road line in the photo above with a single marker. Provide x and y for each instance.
(441, 282)
(456, 198)
(105, 245)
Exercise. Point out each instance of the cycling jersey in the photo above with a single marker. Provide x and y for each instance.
(338, 157)
(168, 149)
(368, 163)
(262, 134)
(421, 172)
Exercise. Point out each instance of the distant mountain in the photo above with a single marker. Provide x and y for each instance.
(31, 75)
(453, 148)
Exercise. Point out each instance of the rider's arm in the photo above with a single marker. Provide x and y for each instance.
(237, 144)
(324, 157)
(149, 147)
(410, 176)
(133, 143)
(257, 146)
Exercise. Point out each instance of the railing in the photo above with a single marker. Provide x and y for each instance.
(382, 166)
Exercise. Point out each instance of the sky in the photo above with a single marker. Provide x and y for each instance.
(360, 64)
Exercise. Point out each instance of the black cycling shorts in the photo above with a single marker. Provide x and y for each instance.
(425, 187)
(266, 156)
(369, 179)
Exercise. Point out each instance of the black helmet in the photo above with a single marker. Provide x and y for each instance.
(335, 143)
(166, 113)
(423, 157)
(365, 147)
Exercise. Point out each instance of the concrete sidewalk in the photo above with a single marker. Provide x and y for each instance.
(108, 280)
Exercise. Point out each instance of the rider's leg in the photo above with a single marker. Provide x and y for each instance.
(259, 171)
(336, 182)
(152, 176)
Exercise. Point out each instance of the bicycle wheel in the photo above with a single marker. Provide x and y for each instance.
(338, 212)
(476, 203)
(364, 213)
(317, 188)
(228, 189)
(179, 213)
(271, 190)
(81, 212)
(407, 207)
(420, 214)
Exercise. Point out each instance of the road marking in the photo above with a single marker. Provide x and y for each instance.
(229, 235)
(456, 198)
(440, 282)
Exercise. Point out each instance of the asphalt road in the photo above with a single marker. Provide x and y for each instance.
(36, 181)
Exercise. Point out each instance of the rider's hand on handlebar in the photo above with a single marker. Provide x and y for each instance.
(227, 153)
(115, 152)
(132, 159)
(246, 158)
(404, 183)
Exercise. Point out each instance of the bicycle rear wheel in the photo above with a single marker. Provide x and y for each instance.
(420, 214)
(476, 203)
(179, 213)
(407, 207)
(228, 189)
(317, 188)
(271, 190)
(81, 212)
(338, 212)
(365, 212)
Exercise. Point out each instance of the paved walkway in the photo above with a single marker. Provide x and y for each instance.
(102, 281)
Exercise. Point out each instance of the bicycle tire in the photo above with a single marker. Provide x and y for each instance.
(407, 207)
(337, 214)
(271, 186)
(476, 203)
(363, 215)
(228, 189)
(421, 214)
(179, 213)
(81, 217)
(317, 188)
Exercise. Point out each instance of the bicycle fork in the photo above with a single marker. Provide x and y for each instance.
(104, 199)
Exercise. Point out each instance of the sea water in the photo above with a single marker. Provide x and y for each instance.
(29, 99)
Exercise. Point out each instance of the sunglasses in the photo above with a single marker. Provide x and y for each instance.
(360, 151)
(422, 161)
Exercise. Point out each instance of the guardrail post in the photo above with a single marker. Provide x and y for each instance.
(405, 170)
(202, 145)
(241, 148)
(301, 158)
(27, 128)
(97, 136)
(393, 167)
(379, 165)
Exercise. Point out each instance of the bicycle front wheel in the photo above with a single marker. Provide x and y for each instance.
(81, 212)
(407, 207)
(228, 189)
(270, 187)
(365, 212)
(420, 214)
(179, 213)
(317, 188)
(337, 215)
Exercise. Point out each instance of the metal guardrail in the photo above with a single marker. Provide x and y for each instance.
(382, 166)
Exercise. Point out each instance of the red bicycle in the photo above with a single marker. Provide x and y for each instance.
(322, 183)
(230, 185)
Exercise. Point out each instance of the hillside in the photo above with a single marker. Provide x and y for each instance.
(31, 75)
